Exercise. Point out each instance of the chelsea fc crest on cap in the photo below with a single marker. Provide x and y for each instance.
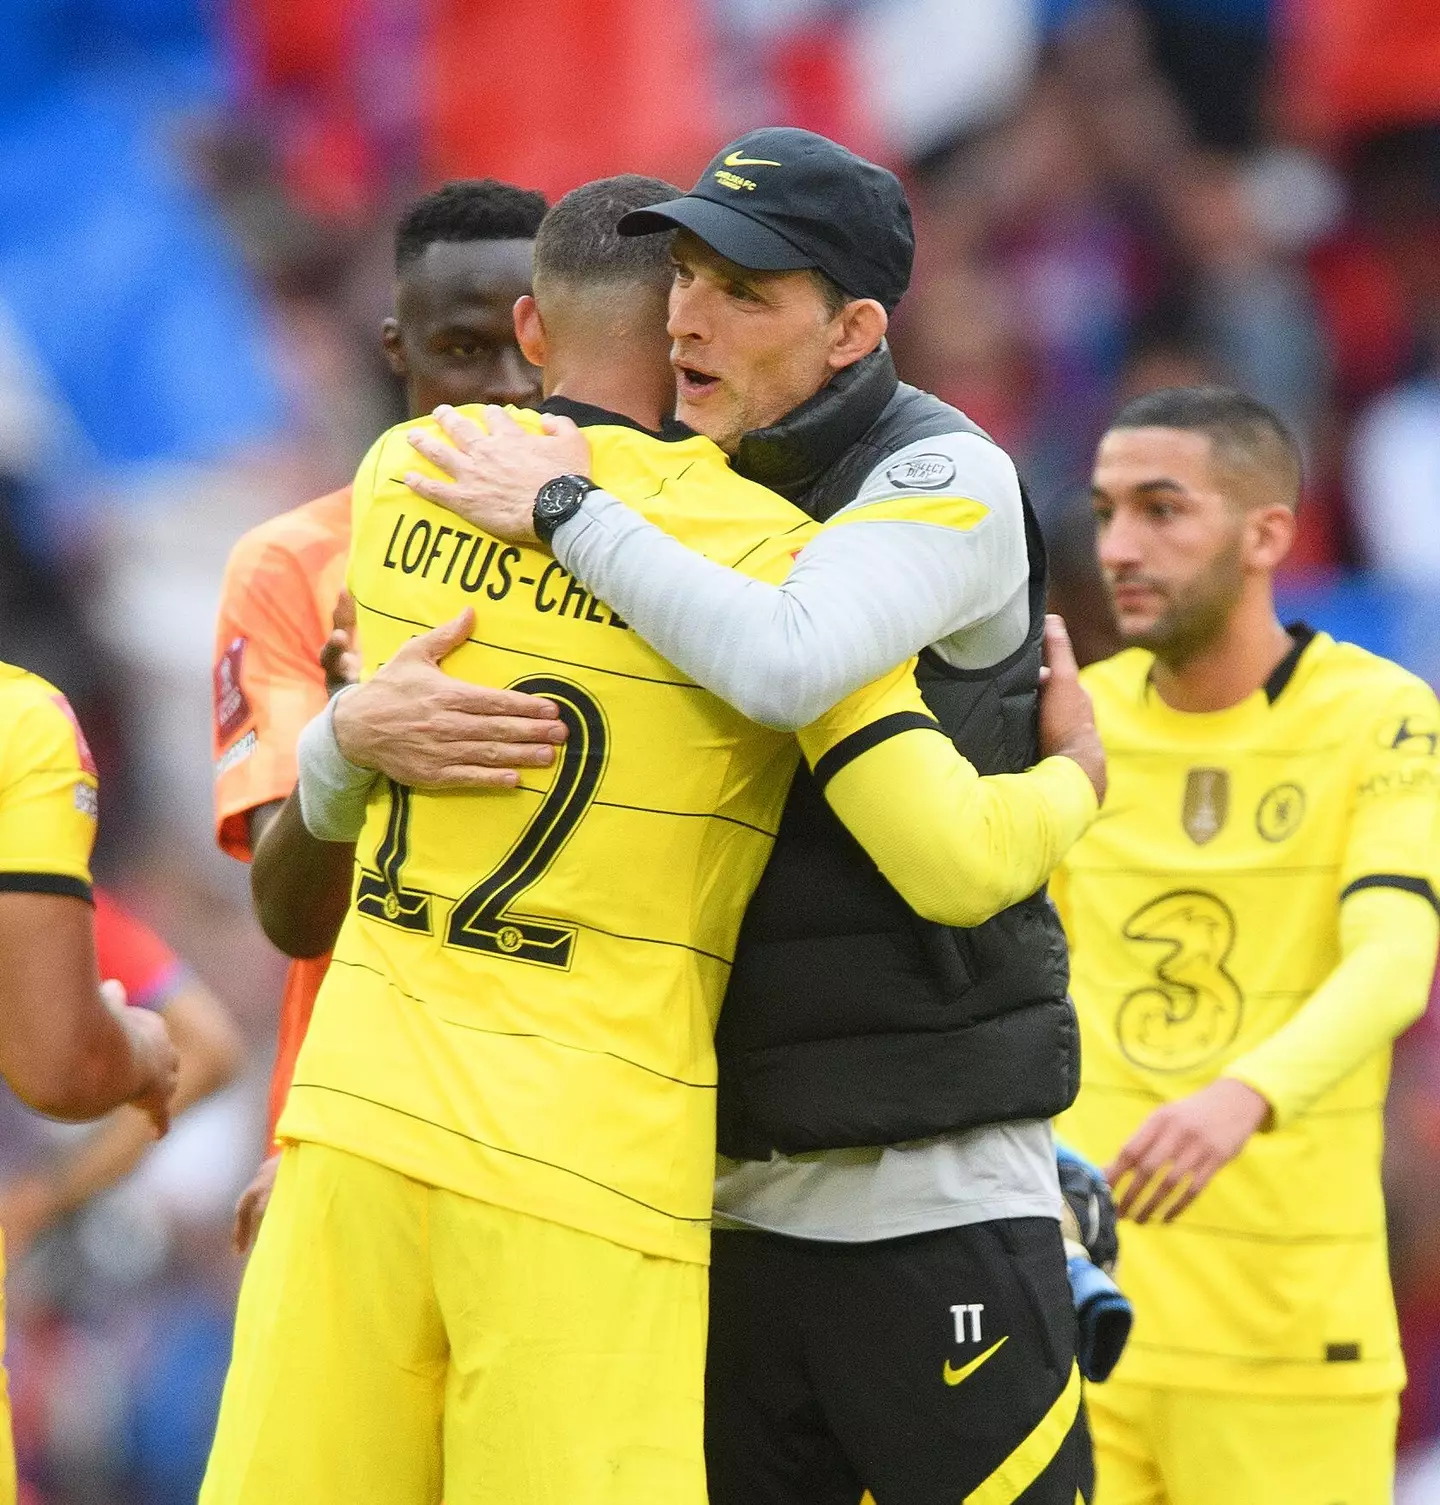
(1206, 805)
(780, 199)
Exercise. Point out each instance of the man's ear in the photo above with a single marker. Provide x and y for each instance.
(1272, 535)
(394, 347)
(863, 323)
(529, 330)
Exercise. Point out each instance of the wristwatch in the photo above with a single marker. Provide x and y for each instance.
(557, 502)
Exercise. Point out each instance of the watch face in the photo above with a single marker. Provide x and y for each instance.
(557, 501)
(562, 492)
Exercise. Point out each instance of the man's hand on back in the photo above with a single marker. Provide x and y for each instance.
(1067, 718)
(427, 729)
(496, 475)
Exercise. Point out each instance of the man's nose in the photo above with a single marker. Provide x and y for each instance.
(1117, 543)
(687, 313)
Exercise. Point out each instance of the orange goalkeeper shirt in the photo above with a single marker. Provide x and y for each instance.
(276, 610)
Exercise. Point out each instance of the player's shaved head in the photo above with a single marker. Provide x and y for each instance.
(597, 321)
(579, 251)
(1256, 455)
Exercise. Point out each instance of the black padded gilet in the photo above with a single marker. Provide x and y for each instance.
(849, 1020)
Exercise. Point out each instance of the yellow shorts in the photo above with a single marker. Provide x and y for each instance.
(1196, 1447)
(396, 1345)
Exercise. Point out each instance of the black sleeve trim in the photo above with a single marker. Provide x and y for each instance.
(868, 736)
(46, 883)
(1420, 886)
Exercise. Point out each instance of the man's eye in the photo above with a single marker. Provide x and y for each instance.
(462, 352)
(1160, 512)
(683, 275)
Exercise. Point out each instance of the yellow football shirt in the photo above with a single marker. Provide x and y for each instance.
(523, 997)
(47, 830)
(1204, 909)
(48, 790)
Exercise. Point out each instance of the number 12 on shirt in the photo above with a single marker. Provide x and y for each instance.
(483, 919)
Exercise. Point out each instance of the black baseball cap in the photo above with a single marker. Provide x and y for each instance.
(780, 199)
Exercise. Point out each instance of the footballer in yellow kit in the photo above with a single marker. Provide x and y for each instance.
(1252, 921)
(47, 829)
(513, 1049)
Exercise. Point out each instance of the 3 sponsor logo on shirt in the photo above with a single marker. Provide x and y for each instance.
(1192, 1009)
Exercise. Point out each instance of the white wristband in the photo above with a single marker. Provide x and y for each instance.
(334, 792)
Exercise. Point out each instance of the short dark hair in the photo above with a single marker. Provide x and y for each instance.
(1240, 428)
(465, 210)
(578, 243)
(834, 296)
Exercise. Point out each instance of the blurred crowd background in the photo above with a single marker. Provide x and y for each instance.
(196, 200)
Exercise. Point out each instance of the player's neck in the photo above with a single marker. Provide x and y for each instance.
(1231, 666)
(630, 388)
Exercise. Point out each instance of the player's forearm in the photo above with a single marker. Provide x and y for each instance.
(94, 1068)
(300, 885)
(861, 599)
(65, 1052)
(959, 848)
(1388, 942)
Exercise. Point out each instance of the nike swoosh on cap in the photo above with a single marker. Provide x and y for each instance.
(736, 160)
(957, 1376)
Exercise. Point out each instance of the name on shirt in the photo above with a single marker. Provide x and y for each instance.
(481, 565)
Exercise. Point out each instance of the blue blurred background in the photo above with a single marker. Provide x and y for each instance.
(195, 208)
